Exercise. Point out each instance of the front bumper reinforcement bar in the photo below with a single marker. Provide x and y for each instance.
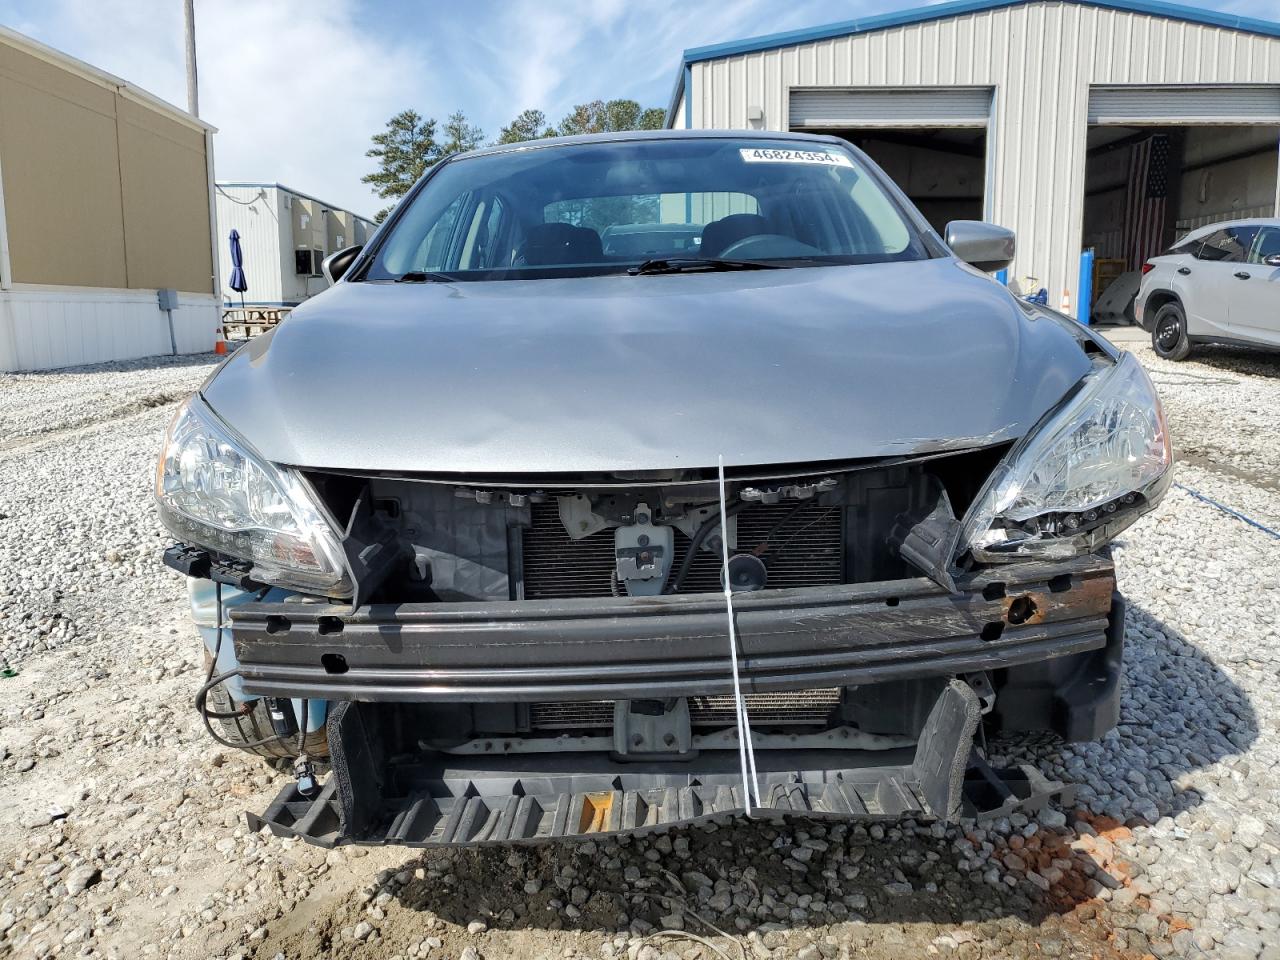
(673, 646)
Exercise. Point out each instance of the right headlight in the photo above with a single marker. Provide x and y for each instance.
(215, 491)
(1081, 476)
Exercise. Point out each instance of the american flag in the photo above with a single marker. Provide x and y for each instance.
(1147, 197)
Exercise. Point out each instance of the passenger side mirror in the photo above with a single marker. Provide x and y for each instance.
(336, 264)
(983, 245)
(1273, 260)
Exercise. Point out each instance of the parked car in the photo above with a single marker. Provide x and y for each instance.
(1218, 284)
(524, 539)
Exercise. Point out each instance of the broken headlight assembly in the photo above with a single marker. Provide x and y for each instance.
(215, 492)
(1087, 471)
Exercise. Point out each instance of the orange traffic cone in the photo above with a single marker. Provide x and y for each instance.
(220, 341)
(1066, 300)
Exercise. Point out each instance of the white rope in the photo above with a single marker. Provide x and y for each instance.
(746, 750)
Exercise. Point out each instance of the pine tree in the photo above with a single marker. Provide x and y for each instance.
(613, 116)
(408, 148)
(460, 136)
(404, 151)
(529, 125)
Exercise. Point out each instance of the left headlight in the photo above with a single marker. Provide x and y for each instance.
(1083, 475)
(214, 491)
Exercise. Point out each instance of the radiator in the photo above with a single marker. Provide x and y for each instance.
(806, 549)
(799, 707)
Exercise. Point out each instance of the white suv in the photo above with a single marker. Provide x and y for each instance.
(1218, 284)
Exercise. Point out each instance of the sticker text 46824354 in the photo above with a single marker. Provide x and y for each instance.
(825, 158)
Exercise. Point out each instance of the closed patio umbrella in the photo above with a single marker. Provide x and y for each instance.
(237, 282)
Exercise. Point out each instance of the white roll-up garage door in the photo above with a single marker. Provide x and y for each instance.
(1139, 106)
(900, 107)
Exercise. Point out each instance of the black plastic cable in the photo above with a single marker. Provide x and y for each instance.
(210, 681)
(818, 519)
(696, 544)
(302, 730)
(213, 664)
(763, 546)
(205, 715)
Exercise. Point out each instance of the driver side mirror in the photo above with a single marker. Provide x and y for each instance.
(1273, 260)
(336, 264)
(983, 245)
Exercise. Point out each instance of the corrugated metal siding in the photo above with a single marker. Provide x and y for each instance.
(1041, 58)
(254, 212)
(293, 286)
(1184, 105)
(1241, 213)
(42, 328)
(926, 107)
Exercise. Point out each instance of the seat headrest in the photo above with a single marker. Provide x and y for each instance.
(552, 244)
(723, 233)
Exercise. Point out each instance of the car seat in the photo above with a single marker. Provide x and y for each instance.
(719, 235)
(554, 244)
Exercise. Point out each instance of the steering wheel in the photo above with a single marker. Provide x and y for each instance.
(770, 245)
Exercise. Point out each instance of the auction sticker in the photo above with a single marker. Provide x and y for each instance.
(777, 155)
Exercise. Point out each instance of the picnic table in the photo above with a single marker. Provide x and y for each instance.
(242, 323)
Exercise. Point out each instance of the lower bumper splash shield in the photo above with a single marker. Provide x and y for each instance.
(436, 800)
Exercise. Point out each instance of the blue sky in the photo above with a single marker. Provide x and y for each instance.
(297, 87)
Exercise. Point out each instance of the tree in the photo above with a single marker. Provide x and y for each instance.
(621, 115)
(654, 118)
(613, 116)
(595, 116)
(404, 151)
(529, 125)
(584, 118)
(408, 148)
(460, 136)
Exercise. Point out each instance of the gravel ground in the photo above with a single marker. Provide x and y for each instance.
(120, 825)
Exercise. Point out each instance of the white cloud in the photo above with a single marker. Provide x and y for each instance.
(295, 98)
(297, 87)
(553, 56)
(299, 97)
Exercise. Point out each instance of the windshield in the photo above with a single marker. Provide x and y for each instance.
(588, 209)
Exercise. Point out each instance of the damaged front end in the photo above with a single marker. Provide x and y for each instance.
(505, 658)
(525, 661)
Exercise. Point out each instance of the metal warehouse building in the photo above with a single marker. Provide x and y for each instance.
(106, 197)
(284, 236)
(1103, 124)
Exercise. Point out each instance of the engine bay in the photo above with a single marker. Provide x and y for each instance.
(647, 536)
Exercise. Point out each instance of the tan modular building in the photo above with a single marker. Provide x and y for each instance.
(284, 236)
(105, 200)
(1102, 125)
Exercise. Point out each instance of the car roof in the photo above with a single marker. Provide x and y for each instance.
(625, 135)
(1209, 228)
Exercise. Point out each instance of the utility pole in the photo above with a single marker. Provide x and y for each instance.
(193, 91)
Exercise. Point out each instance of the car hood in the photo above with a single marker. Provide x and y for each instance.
(621, 373)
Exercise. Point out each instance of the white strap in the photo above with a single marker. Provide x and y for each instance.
(746, 749)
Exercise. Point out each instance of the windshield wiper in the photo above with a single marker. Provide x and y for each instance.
(695, 264)
(422, 276)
